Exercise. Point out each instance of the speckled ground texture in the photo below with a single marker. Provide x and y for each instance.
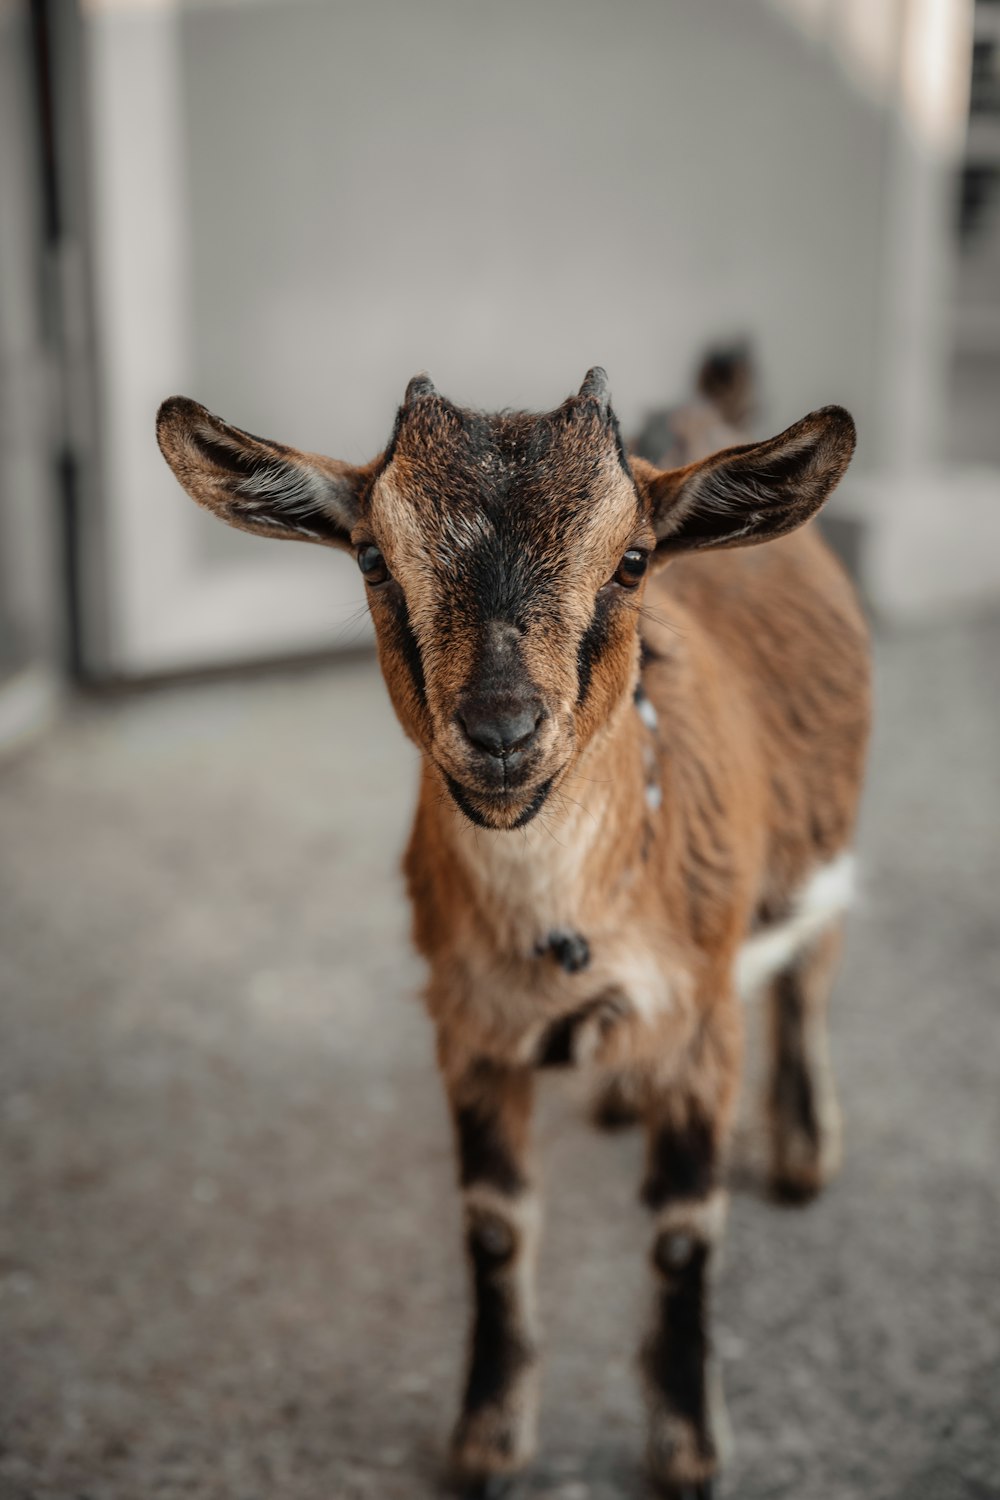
(229, 1245)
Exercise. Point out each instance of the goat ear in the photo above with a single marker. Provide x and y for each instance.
(256, 484)
(752, 493)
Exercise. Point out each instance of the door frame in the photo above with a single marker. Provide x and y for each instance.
(169, 608)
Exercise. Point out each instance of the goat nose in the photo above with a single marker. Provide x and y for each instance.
(501, 729)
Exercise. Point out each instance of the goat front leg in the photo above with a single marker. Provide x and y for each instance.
(688, 1123)
(496, 1431)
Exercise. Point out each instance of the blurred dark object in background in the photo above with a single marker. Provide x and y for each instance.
(980, 177)
(719, 413)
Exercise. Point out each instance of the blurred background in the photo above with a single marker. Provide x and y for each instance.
(229, 1255)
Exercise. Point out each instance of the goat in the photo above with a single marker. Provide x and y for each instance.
(627, 815)
(716, 414)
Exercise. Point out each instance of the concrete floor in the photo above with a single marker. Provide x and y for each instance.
(229, 1251)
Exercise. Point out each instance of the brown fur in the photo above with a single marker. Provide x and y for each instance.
(499, 587)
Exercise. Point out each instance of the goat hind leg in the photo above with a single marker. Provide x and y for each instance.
(804, 1112)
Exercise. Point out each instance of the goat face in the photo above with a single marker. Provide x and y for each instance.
(505, 558)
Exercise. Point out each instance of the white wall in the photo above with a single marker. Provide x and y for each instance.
(302, 202)
(506, 194)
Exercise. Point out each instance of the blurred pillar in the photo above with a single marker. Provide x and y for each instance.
(33, 641)
(934, 51)
(932, 532)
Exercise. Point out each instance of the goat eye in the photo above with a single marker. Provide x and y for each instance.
(631, 568)
(372, 565)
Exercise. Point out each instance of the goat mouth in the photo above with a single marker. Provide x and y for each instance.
(494, 811)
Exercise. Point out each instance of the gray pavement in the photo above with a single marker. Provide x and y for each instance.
(229, 1233)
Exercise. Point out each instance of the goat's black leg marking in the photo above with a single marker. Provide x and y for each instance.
(500, 1348)
(805, 1116)
(681, 1187)
(791, 1087)
(496, 1429)
(683, 1162)
(570, 950)
(485, 1154)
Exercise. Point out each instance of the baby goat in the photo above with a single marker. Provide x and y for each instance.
(627, 816)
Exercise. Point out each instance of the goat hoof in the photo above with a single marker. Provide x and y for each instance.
(793, 1193)
(802, 1166)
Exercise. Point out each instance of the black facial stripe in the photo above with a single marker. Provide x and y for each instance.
(500, 578)
(407, 645)
(683, 1164)
(675, 1357)
(592, 643)
(483, 1155)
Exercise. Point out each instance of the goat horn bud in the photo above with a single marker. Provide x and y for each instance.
(420, 385)
(595, 386)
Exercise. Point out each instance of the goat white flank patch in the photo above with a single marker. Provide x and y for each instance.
(826, 895)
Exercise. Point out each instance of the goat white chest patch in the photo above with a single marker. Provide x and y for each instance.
(554, 943)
